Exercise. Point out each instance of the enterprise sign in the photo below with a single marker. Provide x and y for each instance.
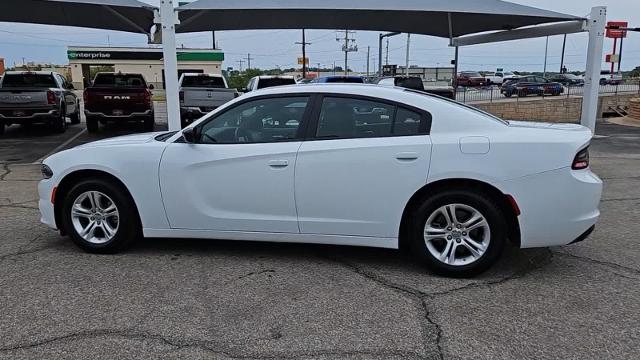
(142, 55)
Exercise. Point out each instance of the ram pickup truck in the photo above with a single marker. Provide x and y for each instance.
(201, 94)
(37, 97)
(118, 97)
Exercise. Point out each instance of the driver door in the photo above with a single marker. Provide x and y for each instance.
(239, 175)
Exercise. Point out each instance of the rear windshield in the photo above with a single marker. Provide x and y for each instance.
(345, 79)
(203, 81)
(271, 82)
(120, 80)
(410, 83)
(28, 80)
(471, 74)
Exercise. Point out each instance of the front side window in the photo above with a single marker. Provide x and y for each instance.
(256, 121)
(345, 118)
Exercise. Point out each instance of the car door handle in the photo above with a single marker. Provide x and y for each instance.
(278, 163)
(407, 156)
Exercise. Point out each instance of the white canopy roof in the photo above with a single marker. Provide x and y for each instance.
(122, 15)
(429, 17)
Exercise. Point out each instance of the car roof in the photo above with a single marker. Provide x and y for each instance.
(29, 72)
(275, 77)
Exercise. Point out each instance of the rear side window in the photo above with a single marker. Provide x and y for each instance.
(271, 82)
(210, 82)
(346, 118)
(28, 81)
(119, 80)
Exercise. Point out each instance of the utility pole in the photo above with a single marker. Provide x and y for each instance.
(564, 45)
(380, 37)
(241, 62)
(368, 53)
(546, 51)
(334, 68)
(406, 69)
(213, 39)
(386, 58)
(304, 55)
(348, 46)
(249, 58)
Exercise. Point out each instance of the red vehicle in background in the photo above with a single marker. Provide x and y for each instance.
(117, 97)
(471, 79)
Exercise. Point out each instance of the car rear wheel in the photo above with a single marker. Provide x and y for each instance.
(92, 125)
(458, 233)
(148, 124)
(59, 124)
(100, 217)
(75, 117)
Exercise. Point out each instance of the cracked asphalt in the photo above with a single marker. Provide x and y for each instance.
(200, 299)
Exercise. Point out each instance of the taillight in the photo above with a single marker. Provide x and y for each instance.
(147, 97)
(181, 95)
(581, 161)
(86, 96)
(51, 97)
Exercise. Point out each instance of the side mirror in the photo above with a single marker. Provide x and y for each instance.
(70, 86)
(151, 87)
(189, 135)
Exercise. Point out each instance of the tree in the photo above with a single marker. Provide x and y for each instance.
(239, 80)
(635, 72)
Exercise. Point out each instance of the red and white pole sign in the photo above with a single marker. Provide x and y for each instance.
(614, 29)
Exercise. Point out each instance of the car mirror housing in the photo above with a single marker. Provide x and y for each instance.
(189, 135)
(151, 87)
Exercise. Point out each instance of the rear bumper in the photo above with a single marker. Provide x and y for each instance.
(35, 115)
(562, 209)
(131, 116)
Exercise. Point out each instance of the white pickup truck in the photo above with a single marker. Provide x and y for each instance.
(499, 77)
(201, 94)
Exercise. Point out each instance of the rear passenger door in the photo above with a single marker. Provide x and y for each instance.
(362, 160)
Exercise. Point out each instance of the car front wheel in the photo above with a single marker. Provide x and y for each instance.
(100, 216)
(458, 233)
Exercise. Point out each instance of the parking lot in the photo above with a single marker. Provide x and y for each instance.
(225, 300)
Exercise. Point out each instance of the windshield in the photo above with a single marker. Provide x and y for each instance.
(28, 81)
(203, 81)
(271, 82)
(120, 80)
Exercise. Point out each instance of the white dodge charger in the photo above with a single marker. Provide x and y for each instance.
(338, 164)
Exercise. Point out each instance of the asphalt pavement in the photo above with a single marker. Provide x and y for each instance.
(202, 299)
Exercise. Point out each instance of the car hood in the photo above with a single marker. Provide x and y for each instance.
(123, 140)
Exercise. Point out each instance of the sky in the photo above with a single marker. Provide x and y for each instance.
(277, 48)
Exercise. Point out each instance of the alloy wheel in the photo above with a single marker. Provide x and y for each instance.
(95, 217)
(457, 234)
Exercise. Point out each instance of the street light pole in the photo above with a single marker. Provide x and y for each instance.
(168, 21)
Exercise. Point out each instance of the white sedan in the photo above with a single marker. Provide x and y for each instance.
(342, 164)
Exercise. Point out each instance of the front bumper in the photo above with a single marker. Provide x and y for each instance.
(563, 206)
(47, 212)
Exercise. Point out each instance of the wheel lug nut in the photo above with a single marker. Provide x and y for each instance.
(458, 241)
(464, 233)
(458, 226)
(449, 237)
(449, 228)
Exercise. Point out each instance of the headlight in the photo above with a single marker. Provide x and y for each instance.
(47, 173)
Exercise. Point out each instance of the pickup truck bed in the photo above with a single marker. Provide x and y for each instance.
(201, 94)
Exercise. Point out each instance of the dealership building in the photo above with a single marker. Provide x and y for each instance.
(145, 61)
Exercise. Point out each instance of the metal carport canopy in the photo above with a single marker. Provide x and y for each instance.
(427, 17)
(122, 15)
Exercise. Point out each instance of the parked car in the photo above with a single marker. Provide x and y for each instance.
(498, 78)
(568, 79)
(471, 79)
(360, 165)
(37, 97)
(118, 97)
(531, 85)
(201, 94)
(416, 83)
(266, 81)
(609, 78)
(350, 79)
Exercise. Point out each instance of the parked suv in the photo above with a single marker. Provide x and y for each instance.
(531, 85)
(37, 97)
(117, 97)
(471, 78)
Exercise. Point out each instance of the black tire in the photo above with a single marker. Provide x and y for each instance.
(508, 94)
(92, 125)
(59, 124)
(128, 229)
(148, 124)
(75, 117)
(484, 204)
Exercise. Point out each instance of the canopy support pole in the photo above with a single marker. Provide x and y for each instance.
(597, 23)
(168, 22)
